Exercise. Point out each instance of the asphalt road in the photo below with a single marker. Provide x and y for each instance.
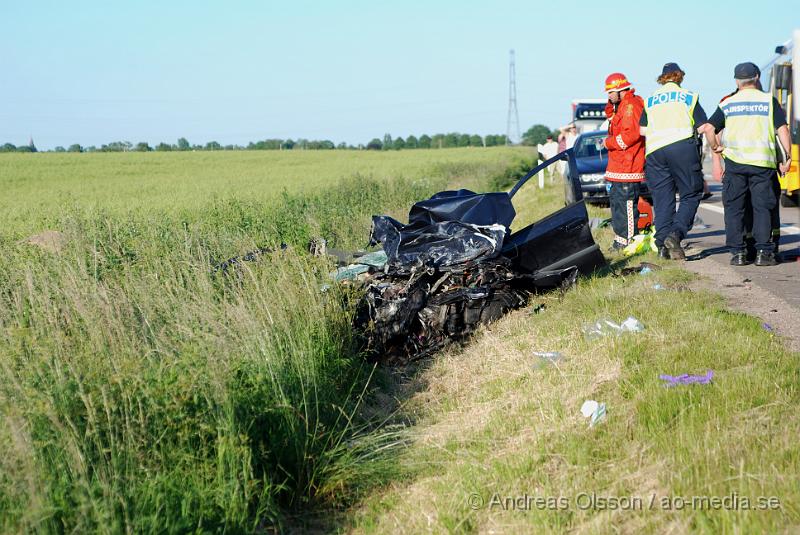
(707, 245)
(771, 293)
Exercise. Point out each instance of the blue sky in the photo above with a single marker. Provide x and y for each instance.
(92, 72)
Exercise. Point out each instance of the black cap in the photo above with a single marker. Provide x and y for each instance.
(745, 71)
(670, 67)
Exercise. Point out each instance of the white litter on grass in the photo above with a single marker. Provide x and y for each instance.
(594, 410)
(546, 358)
(552, 356)
(606, 327)
(588, 407)
(632, 325)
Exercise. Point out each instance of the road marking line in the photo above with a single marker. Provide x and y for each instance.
(717, 209)
(788, 229)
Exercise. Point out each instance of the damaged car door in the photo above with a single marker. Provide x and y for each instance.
(560, 239)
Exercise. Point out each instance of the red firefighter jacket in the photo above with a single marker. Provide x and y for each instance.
(624, 142)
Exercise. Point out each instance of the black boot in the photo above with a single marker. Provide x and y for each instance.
(673, 245)
(663, 252)
(766, 258)
(750, 246)
(739, 259)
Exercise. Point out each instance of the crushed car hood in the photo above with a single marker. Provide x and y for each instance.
(452, 227)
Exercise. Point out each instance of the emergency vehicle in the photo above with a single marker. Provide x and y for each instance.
(781, 77)
(588, 114)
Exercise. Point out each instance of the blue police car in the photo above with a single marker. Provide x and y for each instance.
(591, 159)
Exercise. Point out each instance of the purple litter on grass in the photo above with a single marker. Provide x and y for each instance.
(767, 327)
(687, 379)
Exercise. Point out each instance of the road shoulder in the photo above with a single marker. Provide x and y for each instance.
(743, 295)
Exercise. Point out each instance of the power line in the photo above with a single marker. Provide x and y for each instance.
(512, 124)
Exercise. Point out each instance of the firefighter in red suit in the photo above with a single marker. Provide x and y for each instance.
(625, 144)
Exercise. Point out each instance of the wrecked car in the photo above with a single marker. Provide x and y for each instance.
(457, 264)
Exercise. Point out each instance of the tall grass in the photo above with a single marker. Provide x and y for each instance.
(142, 391)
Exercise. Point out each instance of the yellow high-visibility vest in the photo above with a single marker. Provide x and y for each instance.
(749, 135)
(670, 112)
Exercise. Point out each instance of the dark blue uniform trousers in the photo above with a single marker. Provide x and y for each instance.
(775, 217)
(624, 200)
(675, 167)
(759, 182)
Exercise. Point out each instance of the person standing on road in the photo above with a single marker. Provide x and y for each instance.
(671, 117)
(752, 121)
(625, 144)
(775, 216)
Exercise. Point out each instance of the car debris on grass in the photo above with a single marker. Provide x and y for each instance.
(687, 379)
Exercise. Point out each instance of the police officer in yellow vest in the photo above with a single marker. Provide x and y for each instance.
(671, 117)
(752, 120)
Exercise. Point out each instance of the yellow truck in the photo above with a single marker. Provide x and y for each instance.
(782, 76)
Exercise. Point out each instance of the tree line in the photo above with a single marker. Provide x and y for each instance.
(9, 147)
(537, 135)
(436, 141)
(533, 136)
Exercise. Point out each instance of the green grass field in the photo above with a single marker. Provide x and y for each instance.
(39, 187)
(141, 391)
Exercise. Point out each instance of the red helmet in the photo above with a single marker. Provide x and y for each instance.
(617, 82)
